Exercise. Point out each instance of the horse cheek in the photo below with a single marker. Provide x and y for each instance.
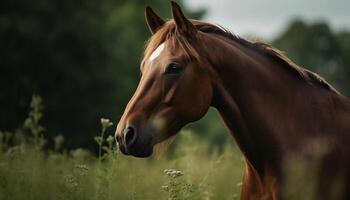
(201, 99)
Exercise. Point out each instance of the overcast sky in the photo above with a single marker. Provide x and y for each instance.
(266, 18)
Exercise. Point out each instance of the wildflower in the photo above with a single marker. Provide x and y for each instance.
(173, 173)
(110, 139)
(82, 167)
(106, 123)
(165, 187)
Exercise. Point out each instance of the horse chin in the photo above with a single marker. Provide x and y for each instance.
(142, 154)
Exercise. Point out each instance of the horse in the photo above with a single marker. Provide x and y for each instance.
(281, 115)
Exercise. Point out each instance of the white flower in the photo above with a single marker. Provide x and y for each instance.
(106, 123)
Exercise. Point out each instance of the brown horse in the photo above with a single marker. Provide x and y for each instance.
(279, 113)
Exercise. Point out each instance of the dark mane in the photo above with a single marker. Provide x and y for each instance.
(168, 31)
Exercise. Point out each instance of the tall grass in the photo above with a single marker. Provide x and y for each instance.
(191, 172)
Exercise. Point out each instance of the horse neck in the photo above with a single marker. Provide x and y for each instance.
(251, 95)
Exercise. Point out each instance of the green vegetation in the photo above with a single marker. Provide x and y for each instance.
(317, 47)
(191, 171)
(83, 58)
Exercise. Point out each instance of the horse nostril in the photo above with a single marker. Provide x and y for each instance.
(129, 136)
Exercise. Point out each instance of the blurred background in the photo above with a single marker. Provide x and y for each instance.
(82, 57)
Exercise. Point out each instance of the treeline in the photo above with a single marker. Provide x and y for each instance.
(83, 57)
(317, 47)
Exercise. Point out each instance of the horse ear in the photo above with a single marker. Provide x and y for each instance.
(154, 22)
(184, 26)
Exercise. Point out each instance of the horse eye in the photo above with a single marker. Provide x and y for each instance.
(173, 68)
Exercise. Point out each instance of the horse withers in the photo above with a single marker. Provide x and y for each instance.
(287, 121)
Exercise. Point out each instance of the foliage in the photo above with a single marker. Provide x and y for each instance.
(28, 172)
(320, 49)
(32, 122)
(82, 57)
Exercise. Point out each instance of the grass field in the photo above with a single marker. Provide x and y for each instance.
(191, 170)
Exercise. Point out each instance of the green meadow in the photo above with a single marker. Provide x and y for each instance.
(188, 170)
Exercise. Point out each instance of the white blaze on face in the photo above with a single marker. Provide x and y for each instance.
(156, 52)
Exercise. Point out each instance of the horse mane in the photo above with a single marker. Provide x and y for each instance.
(168, 32)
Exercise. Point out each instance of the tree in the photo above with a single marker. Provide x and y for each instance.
(316, 47)
(81, 56)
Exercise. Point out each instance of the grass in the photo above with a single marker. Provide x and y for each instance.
(192, 171)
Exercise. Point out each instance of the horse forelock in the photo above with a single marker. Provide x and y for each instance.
(174, 41)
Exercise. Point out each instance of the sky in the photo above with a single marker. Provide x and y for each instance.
(267, 18)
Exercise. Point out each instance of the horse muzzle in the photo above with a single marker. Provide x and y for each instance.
(135, 141)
